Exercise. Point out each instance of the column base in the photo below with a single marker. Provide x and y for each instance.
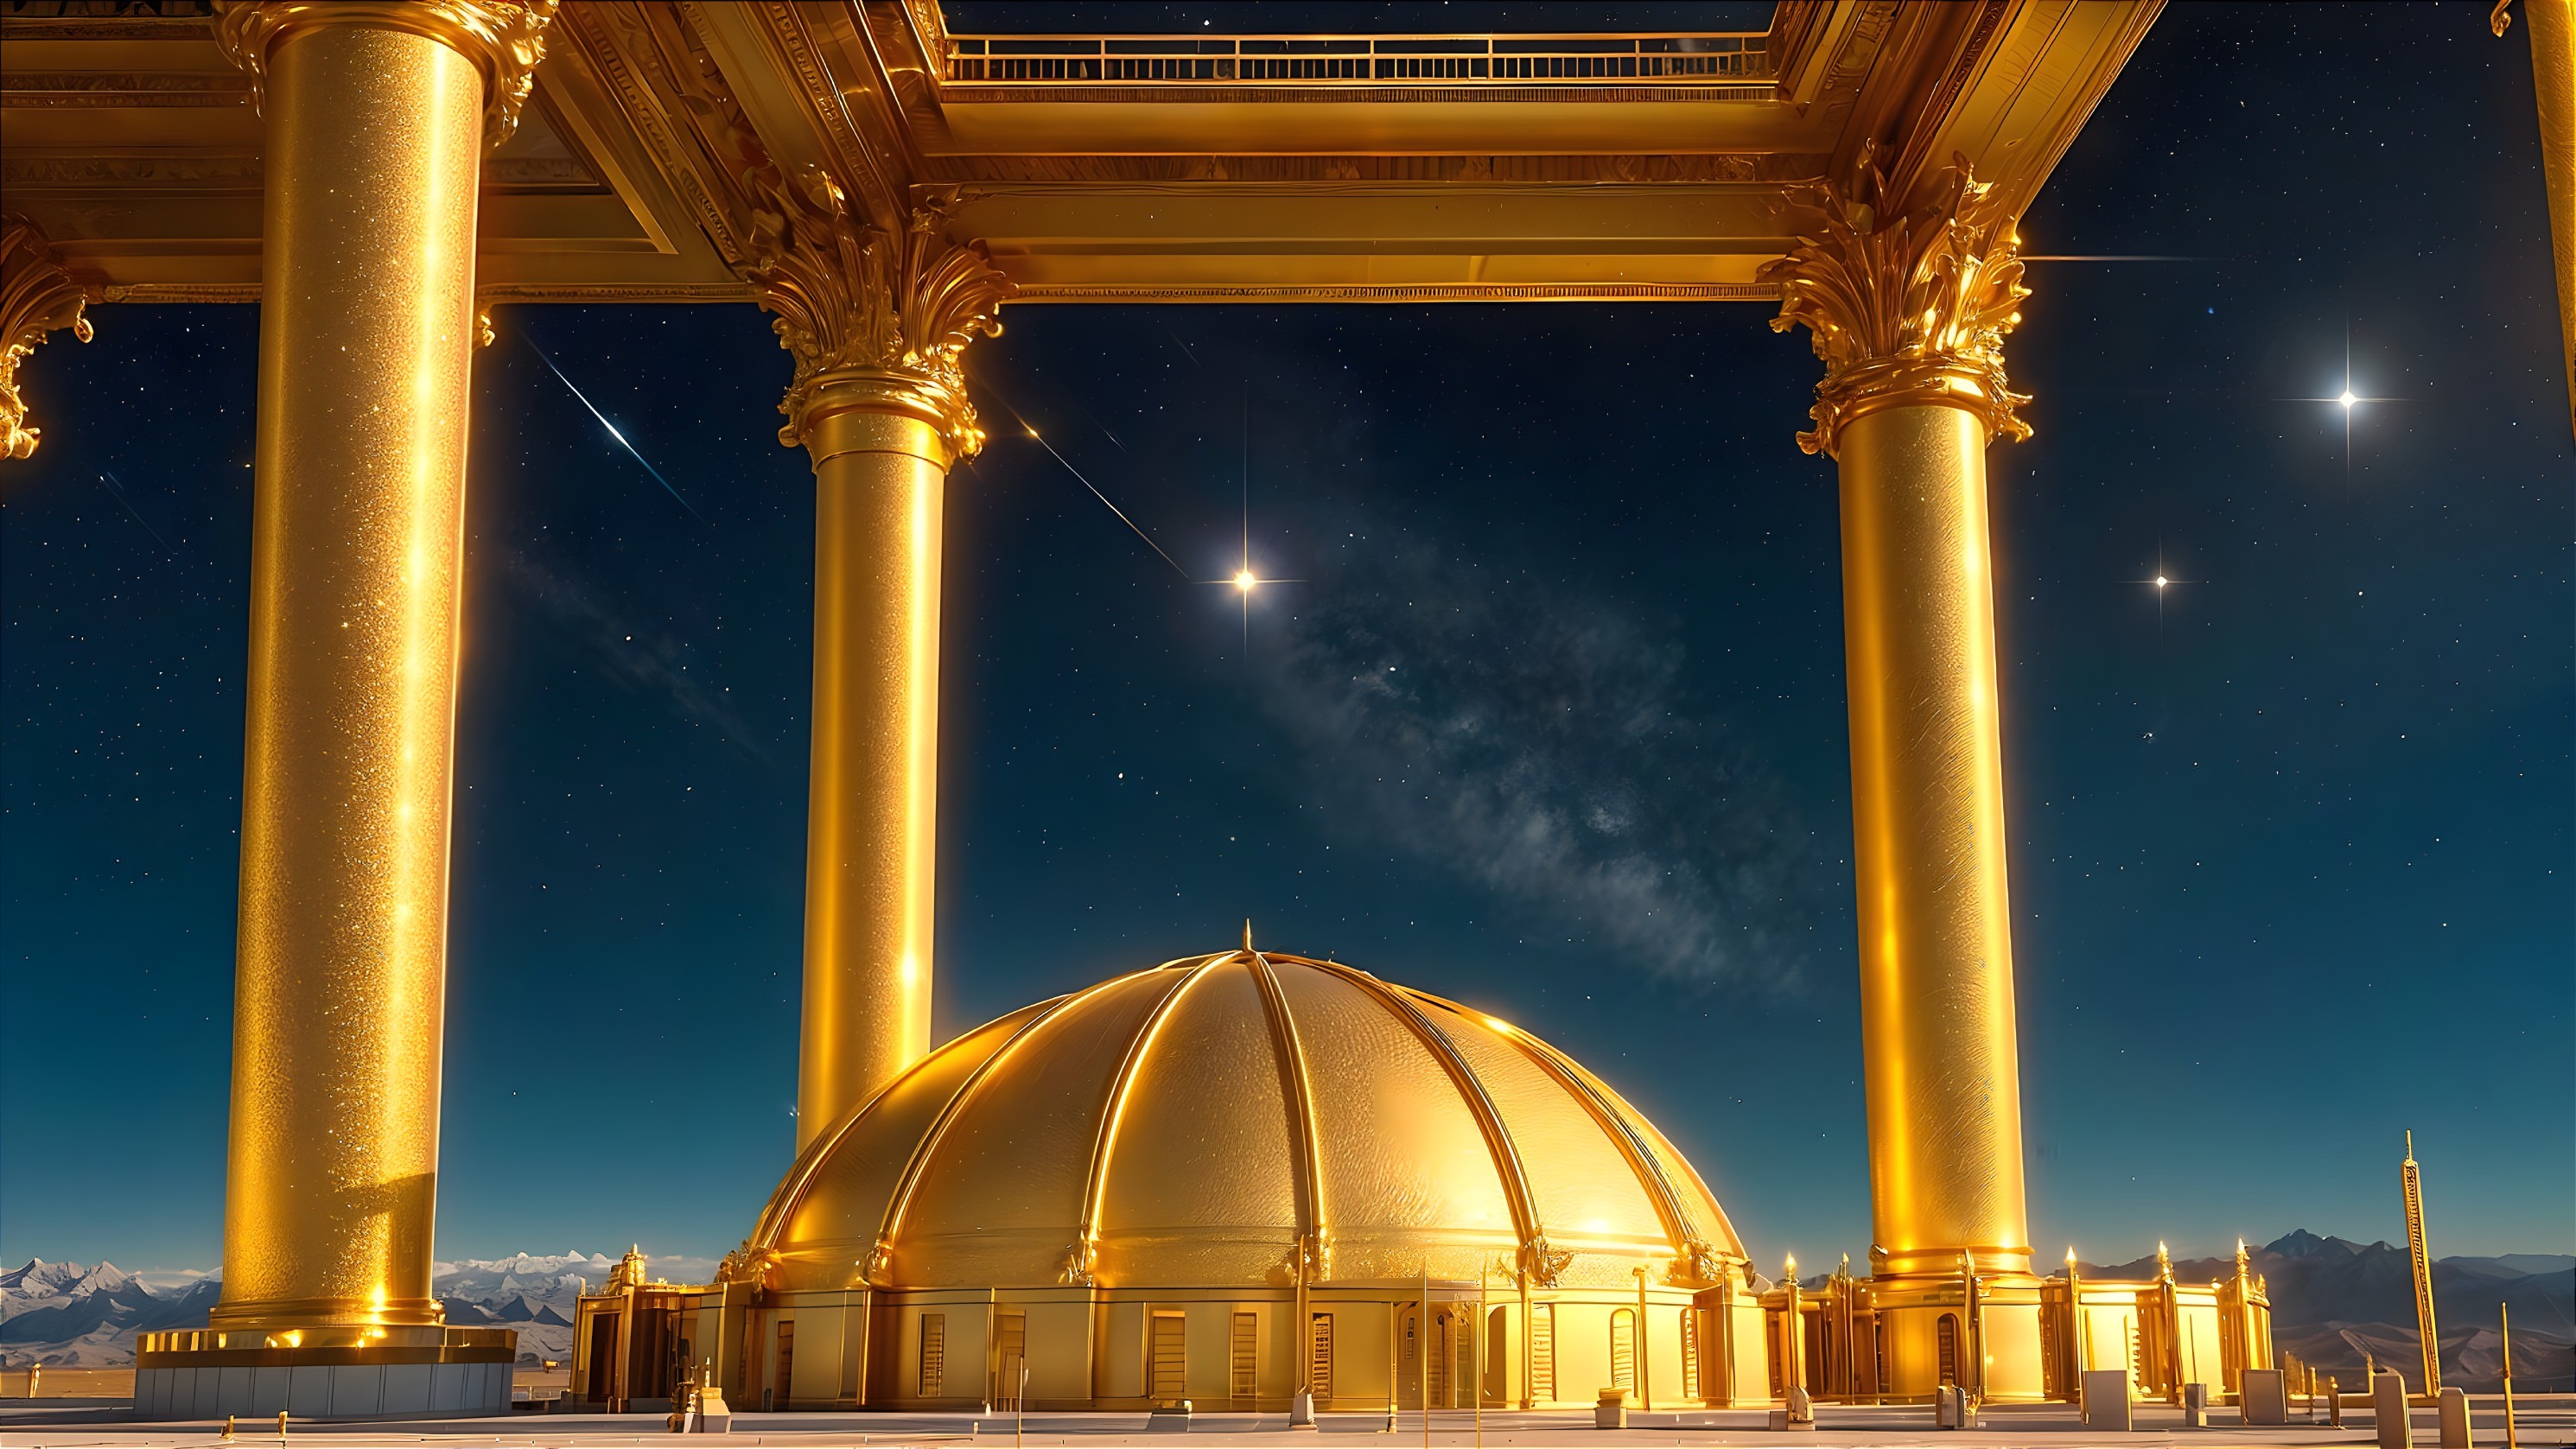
(443, 1373)
(1911, 1333)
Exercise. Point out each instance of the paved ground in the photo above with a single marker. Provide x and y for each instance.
(75, 1424)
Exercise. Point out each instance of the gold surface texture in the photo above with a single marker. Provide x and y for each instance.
(1244, 1118)
(872, 804)
(1904, 305)
(37, 296)
(366, 336)
(1944, 1090)
(503, 38)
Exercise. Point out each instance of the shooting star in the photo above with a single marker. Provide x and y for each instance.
(1034, 437)
(612, 429)
(116, 490)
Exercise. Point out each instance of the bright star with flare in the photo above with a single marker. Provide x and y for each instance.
(1245, 581)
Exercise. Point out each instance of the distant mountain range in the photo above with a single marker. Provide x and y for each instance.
(2332, 1300)
(64, 1315)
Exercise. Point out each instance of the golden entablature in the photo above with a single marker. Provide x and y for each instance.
(1101, 167)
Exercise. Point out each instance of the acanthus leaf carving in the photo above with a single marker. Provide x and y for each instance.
(863, 307)
(38, 295)
(1545, 1265)
(504, 38)
(1904, 307)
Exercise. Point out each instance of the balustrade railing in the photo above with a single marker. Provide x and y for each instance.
(1357, 60)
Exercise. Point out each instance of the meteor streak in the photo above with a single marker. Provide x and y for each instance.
(612, 430)
(1031, 430)
(116, 490)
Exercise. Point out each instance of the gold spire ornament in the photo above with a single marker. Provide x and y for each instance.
(2421, 1261)
(38, 296)
(1903, 306)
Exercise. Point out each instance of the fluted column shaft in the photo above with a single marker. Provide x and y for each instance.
(376, 128)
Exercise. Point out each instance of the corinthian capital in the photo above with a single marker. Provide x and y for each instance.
(36, 296)
(874, 318)
(1905, 308)
(504, 38)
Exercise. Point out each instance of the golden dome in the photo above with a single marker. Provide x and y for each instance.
(1208, 1122)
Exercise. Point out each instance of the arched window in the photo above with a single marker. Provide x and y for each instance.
(1623, 1349)
(1948, 1332)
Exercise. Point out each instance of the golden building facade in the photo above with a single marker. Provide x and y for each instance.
(1229, 1180)
(380, 175)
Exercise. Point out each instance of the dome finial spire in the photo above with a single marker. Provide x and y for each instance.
(1247, 933)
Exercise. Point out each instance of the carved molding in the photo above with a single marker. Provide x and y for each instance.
(37, 295)
(868, 311)
(1906, 308)
(1034, 292)
(670, 89)
(504, 38)
(1645, 169)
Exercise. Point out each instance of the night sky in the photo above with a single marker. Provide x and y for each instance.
(1554, 724)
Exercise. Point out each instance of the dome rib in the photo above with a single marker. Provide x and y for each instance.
(1641, 1159)
(800, 1173)
(1082, 1256)
(1313, 1254)
(914, 1166)
(1498, 1137)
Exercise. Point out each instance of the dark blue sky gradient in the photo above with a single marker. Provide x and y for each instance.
(2291, 854)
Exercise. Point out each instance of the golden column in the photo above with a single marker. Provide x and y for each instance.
(878, 318)
(1908, 308)
(378, 115)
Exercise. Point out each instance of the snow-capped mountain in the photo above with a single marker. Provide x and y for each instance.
(67, 1315)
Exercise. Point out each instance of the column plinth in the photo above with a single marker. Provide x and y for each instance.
(377, 117)
(1908, 308)
(878, 321)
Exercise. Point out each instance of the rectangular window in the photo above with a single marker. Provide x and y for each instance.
(934, 1355)
(1623, 1349)
(1437, 1370)
(786, 1377)
(1464, 1355)
(1319, 1368)
(1946, 1333)
(1013, 1330)
(1543, 1354)
(1168, 1380)
(1690, 1353)
(1243, 1355)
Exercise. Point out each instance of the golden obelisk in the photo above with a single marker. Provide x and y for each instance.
(1908, 301)
(2421, 1261)
(878, 315)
